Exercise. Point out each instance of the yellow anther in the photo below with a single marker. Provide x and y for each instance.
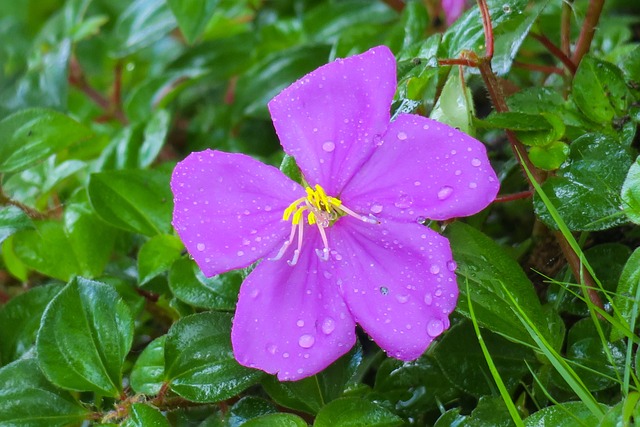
(323, 198)
(298, 214)
(311, 218)
(335, 202)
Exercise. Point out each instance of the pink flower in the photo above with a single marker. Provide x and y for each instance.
(347, 247)
(453, 9)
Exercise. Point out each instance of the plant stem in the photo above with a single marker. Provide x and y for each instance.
(515, 196)
(565, 28)
(32, 213)
(555, 51)
(588, 30)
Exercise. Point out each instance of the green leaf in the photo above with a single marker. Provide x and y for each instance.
(568, 414)
(490, 412)
(487, 266)
(199, 362)
(592, 176)
(626, 298)
(630, 193)
(413, 388)
(455, 105)
(23, 314)
(355, 412)
(13, 219)
(312, 393)
(134, 200)
(81, 245)
(32, 135)
(192, 15)
(156, 256)
(290, 168)
(147, 375)
(247, 408)
(189, 285)
(28, 399)
(268, 77)
(154, 135)
(85, 335)
(276, 420)
(460, 357)
(599, 90)
(549, 157)
(141, 415)
(143, 23)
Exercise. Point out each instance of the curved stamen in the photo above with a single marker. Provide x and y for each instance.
(364, 218)
(296, 253)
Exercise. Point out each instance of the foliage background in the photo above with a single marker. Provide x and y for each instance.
(105, 320)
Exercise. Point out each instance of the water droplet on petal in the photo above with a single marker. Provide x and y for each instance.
(384, 290)
(240, 253)
(328, 146)
(428, 299)
(434, 269)
(306, 341)
(435, 327)
(300, 370)
(445, 192)
(272, 348)
(417, 183)
(451, 265)
(328, 325)
(425, 127)
(300, 323)
(402, 298)
(285, 355)
(254, 293)
(376, 208)
(472, 185)
(475, 162)
(404, 201)
(200, 246)
(402, 136)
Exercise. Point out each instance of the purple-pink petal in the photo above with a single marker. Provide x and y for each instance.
(453, 9)
(423, 169)
(228, 209)
(331, 119)
(398, 281)
(291, 320)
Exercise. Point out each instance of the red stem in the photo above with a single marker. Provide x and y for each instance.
(488, 28)
(458, 61)
(555, 51)
(514, 196)
(588, 30)
(537, 67)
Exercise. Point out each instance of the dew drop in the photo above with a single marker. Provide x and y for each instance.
(200, 247)
(434, 269)
(417, 183)
(376, 208)
(458, 172)
(506, 8)
(472, 185)
(435, 327)
(240, 253)
(402, 136)
(425, 127)
(328, 146)
(451, 265)
(300, 323)
(285, 355)
(328, 325)
(445, 192)
(306, 341)
(272, 348)
(428, 299)
(402, 298)
(254, 293)
(404, 201)
(300, 370)
(475, 162)
(384, 290)
(327, 274)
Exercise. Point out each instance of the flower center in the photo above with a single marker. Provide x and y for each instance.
(320, 210)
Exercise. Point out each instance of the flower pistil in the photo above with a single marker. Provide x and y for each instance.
(322, 211)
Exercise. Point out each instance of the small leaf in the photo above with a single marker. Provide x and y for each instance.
(147, 375)
(13, 219)
(32, 135)
(352, 411)
(156, 256)
(142, 23)
(141, 415)
(192, 15)
(490, 412)
(567, 414)
(23, 314)
(549, 157)
(599, 90)
(189, 285)
(626, 295)
(592, 176)
(134, 200)
(249, 407)
(154, 135)
(199, 362)
(487, 266)
(28, 399)
(455, 104)
(85, 335)
(276, 420)
(630, 193)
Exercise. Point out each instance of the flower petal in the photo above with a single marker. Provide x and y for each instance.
(423, 169)
(331, 119)
(292, 320)
(399, 284)
(228, 209)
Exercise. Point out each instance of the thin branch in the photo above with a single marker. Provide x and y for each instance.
(588, 30)
(515, 196)
(565, 28)
(32, 213)
(555, 51)
(546, 69)
(458, 61)
(488, 28)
